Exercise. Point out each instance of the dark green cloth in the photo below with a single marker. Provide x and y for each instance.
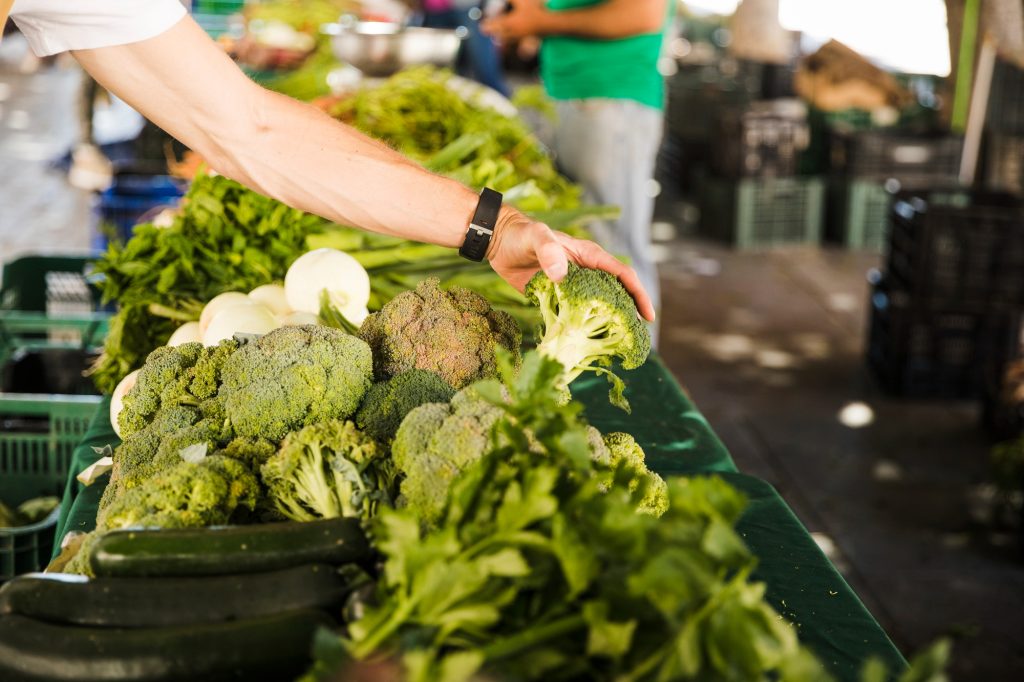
(802, 583)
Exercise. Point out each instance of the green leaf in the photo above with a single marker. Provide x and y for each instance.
(605, 638)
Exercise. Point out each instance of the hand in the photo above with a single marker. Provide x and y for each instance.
(521, 246)
(524, 20)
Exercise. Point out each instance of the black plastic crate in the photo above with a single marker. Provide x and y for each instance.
(922, 353)
(1005, 112)
(757, 143)
(916, 161)
(1004, 163)
(958, 250)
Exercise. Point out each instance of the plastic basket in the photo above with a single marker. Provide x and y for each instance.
(916, 161)
(132, 195)
(958, 250)
(1004, 163)
(38, 434)
(1005, 111)
(918, 352)
(859, 213)
(759, 213)
(759, 144)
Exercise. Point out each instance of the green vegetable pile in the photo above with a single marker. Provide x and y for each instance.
(225, 238)
(28, 512)
(228, 238)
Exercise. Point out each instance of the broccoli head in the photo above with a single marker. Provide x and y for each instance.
(293, 377)
(624, 453)
(204, 493)
(387, 402)
(134, 459)
(589, 319)
(188, 374)
(164, 367)
(453, 333)
(327, 470)
(251, 451)
(435, 443)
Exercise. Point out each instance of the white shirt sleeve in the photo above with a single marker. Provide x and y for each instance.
(53, 26)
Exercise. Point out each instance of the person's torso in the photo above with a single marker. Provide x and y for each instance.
(585, 68)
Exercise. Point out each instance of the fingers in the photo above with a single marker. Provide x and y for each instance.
(591, 255)
(551, 255)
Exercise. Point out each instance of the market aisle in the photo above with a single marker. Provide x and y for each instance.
(770, 347)
(40, 211)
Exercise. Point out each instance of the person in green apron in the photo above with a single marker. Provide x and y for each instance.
(599, 61)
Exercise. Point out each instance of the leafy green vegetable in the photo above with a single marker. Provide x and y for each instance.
(538, 569)
(225, 238)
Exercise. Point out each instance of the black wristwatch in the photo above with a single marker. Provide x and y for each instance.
(481, 228)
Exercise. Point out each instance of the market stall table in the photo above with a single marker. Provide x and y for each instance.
(802, 584)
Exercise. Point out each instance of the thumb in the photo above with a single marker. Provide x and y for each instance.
(552, 258)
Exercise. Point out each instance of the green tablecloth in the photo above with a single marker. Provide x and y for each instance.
(802, 583)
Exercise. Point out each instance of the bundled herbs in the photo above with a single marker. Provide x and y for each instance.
(225, 238)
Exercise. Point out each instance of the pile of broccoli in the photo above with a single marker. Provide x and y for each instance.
(311, 422)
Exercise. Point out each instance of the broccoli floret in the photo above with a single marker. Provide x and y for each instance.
(435, 443)
(251, 451)
(589, 319)
(134, 459)
(327, 470)
(387, 402)
(185, 495)
(188, 374)
(624, 452)
(292, 377)
(453, 333)
(165, 367)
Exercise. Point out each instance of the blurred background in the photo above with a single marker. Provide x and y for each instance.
(839, 235)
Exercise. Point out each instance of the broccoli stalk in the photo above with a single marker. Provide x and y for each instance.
(589, 319)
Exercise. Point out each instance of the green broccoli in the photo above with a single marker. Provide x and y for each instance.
(387, 402)
(293, 377)
(327, 470)
(205, 493)
(453, 333)
(589, 319)
(134, 458)
(188, 374)
(435, 443)
(623, 452)
(213, 491)
(164, 367)
(251, 451)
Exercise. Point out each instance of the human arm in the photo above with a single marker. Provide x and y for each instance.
(291, 151)
(609, 20)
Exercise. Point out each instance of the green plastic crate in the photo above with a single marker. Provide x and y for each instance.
(866, 215)
(34, 462)
(754, 213)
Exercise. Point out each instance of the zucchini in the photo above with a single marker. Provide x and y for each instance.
(161, 602)
(228, 550)
(265, 648)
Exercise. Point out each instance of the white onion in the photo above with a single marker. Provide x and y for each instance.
(272, 296)
(246, 318)
(218, 303)
(186, 333)
(346, 281)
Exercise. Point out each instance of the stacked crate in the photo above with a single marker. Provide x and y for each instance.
(946, 314)
(755, 197)
(870, 165)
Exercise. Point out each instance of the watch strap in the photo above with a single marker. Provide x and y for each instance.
(481, 227)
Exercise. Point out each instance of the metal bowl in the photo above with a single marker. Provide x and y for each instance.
(380, 48)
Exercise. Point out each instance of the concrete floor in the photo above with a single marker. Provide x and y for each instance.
(770, 347)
